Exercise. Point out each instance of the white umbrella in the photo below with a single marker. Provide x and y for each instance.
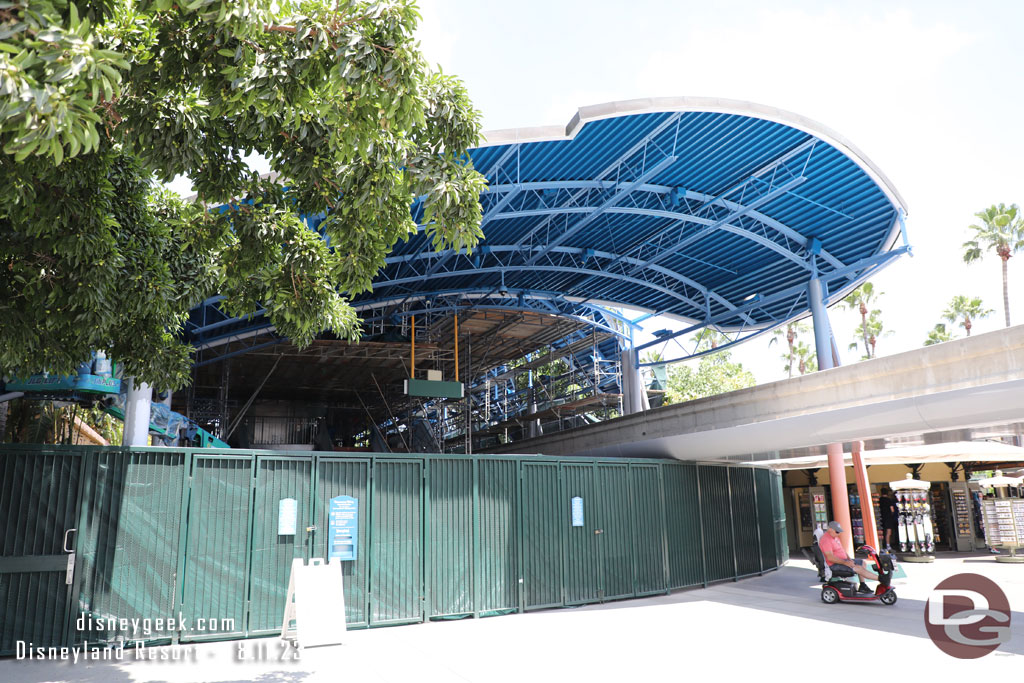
(1001, 480)
(910, 484)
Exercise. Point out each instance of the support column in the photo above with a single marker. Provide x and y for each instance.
(531, 395)
(136, 414)
(836, 466)
(867, 507)
(631, 384)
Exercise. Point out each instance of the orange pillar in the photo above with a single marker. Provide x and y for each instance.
(840, 497)
(867, 506)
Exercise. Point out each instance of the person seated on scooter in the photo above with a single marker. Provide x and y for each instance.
(835, 554)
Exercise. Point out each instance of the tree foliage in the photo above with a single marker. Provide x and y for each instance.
(792, 358)
(715, 373)
(870, 328)
(938, 335)
(101, 101)
(1001, 230)
(964, 310)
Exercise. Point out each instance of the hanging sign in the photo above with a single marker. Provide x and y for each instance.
(577, 511)
(343, 528)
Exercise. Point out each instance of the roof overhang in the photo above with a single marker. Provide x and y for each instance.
(960, 451)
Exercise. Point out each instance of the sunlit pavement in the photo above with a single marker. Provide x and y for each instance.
(761, 626)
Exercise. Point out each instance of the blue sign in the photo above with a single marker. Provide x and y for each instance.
(577, 511)
(343, 528)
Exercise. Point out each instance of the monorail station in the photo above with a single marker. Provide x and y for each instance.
(490, 445)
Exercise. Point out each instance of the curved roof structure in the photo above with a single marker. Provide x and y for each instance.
(710, 211)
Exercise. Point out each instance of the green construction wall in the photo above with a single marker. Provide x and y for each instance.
(163, 531)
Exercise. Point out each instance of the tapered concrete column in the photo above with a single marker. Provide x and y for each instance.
(836, 466)
(136, 414)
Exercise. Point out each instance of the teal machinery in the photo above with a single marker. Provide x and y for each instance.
(96, 383)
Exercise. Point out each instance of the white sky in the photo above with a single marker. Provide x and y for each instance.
(929, 91)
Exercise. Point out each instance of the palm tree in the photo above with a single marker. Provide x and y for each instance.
(1002, 231)
(965, 308)
(871, 329)
(860, 300)
(807, 360)
(789, 333)
(938, 334)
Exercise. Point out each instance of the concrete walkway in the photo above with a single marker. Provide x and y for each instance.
(766, 627)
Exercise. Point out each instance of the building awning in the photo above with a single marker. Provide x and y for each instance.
(960, 451)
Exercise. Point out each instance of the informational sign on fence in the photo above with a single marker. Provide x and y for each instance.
(287, 513)
(314, 609)
(343, 528)
(577, 511)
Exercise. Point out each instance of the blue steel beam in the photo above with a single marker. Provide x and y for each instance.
(607, 204)
(649, 188)
(854, 271)
(545, 268)
(579, 251)
(618, 162)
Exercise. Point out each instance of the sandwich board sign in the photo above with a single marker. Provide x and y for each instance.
(314, 609)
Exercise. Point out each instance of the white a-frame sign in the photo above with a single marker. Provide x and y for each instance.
(314, 611)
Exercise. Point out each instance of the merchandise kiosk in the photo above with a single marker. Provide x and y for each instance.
(916, 535)
(1004, 517)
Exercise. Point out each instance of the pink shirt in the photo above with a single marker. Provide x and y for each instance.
(829, 544)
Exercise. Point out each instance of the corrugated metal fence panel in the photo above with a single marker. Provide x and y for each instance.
(544, 519)
(582, 560)
(498, 569)
(396, 577)
(715, 508)
(766, 517)
(744, 521)
(449, 572)
(277, 478)
(128, 561)
(347, 477)
(648, 529)
(217, 546)
(781, 542)
(683, 529)
(615, 515)
(38, 503)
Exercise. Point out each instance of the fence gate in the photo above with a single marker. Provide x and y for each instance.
(216, 576)
(39, 523)
(396, 555)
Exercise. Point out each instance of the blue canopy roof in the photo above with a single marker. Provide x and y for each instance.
(709, 211)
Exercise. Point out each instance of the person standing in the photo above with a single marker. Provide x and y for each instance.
(890, 512)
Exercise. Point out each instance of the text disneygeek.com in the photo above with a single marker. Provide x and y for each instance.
(116, 638)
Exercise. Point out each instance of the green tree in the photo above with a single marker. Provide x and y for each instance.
(963, 309)
(938, 334)
(790, 334)
(803, 358)
(101, 101)
(871, 329)
(1002, 231)
(715, 373)
(860, 300)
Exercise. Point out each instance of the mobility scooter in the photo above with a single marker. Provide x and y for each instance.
(837, 589)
